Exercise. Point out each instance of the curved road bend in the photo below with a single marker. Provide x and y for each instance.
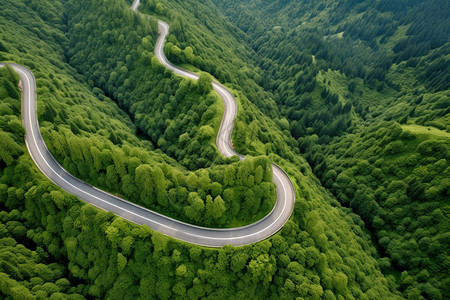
(285, 189)
(183, 231)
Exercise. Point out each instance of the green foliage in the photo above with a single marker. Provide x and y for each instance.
(96, 141)
(197, 31)
(25, 273)
(322, 251)
(337, 71)
(398, 183)
(204, 83)
(132, 172)
(12, 131)
(299, 45)
(164, 106)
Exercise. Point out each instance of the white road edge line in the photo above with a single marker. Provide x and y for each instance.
(228, 117)
(109, 203)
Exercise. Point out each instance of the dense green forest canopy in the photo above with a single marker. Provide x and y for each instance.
(349, 97)
(342, 73)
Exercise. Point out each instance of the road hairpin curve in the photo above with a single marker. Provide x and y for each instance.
(210, 237)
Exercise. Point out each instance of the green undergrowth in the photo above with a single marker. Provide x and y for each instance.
(100, 255)
(399, 185)
(96, 141)
(27, 267)
(179, 116)
(425, 130)
(189, 67)
(385, 62)
(322, 251)
(200, 36)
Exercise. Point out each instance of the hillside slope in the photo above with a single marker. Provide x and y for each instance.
(342, 73)
(85, 53)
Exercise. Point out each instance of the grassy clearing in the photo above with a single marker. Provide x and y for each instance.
(190, 68)
(427, 130)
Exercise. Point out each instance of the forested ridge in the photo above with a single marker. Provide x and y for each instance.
(364, 85)
(113, 116)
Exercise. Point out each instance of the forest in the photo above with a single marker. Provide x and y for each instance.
(349, 97)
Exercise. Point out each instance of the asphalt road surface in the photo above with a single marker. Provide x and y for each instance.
(211, 237)
(135, 5)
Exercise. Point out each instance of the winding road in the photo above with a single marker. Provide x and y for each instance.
(211, 237)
